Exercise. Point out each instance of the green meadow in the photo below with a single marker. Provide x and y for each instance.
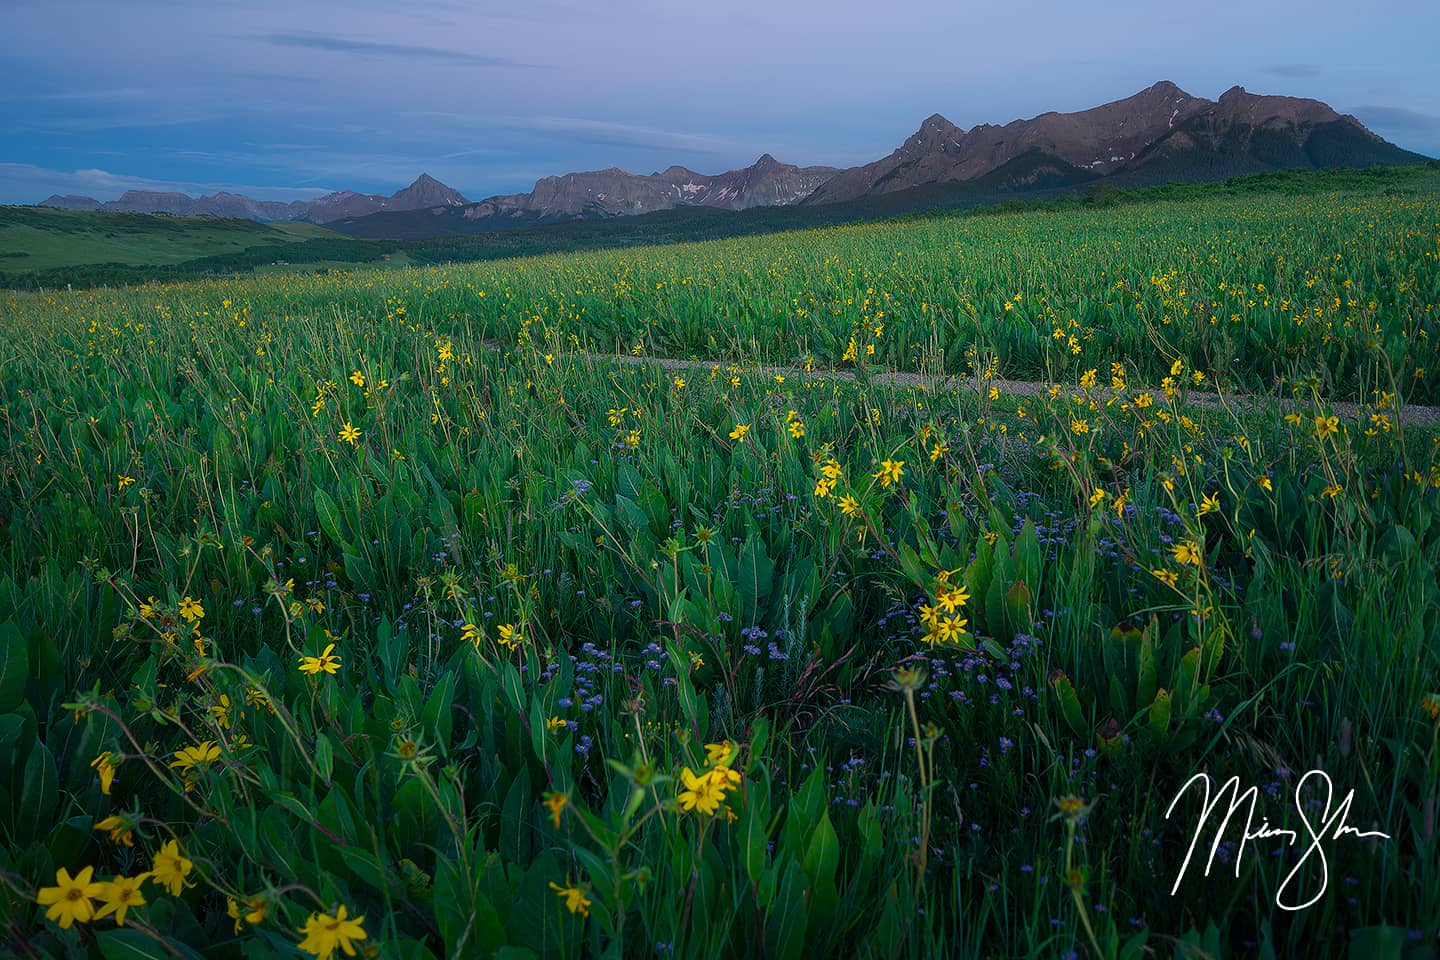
(47, 248)
(60, 238)
(424, 613)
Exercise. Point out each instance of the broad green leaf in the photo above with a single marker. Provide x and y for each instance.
(14, 666)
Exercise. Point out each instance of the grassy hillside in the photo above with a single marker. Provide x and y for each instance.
(39, 238)
(689, 224)
(43, 247)
(1032, 179)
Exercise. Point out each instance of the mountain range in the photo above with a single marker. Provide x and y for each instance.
(1160, 134)
(425, 193)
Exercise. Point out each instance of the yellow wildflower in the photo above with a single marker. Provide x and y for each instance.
(188, 757)
(718, 752)
(192, 610)
(105, 766)
(252, 911)
(890, 472)
(325, 663)
(70, 899)
(574, 897)
(324, 933)
(120, 830)
(555, 803)
(170, 868)
(119, 895)
(1186, 553)
(700, 793)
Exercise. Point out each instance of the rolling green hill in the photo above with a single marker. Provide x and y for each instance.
(47, 248)
(42, 247)
(1058, 192)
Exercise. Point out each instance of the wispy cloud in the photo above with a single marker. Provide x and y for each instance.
(620, 134)
(1410, 129)
(474, 152)
(26, 183)
(106, 95)
(138, 121)
(1398, 118)
(1294, 71)
(368, 48)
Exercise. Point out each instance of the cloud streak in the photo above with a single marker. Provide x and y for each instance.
(1398, 118)
(609, 133)
(1294, 71)
(27, 183)
(367, 48)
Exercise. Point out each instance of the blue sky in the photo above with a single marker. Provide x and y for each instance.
(290, 99)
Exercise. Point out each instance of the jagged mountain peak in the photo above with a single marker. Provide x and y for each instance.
(1165, 88)
(1261, 108)
(935, 133)
(614, 192)
(424, 193)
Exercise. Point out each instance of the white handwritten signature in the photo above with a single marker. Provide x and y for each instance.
(1330, 827)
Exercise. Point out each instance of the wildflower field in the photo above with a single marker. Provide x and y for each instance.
(426, 614)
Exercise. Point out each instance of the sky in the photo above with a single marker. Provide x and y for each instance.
(288, 99)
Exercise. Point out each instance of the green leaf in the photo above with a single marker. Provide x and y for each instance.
(693, 705)
(1160, 713)
(468, 921)
(759, 738)
(822, 857)
(14, 666)
(994, 649)
(630, 513)
(516, 820)
(360, 572)
(1145, 684)
(1028, 556)
(512, 952)
(134, 945)
(977, 575)
(324, 757)
(1018, 607)
(910, 563)
(756, 572)
(364, 867)
(329, 517)
(1070, 705)
(786, 920)
(1134, 947)
(823, 854)
(39, 795)
(439, 716)
(753, 837)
